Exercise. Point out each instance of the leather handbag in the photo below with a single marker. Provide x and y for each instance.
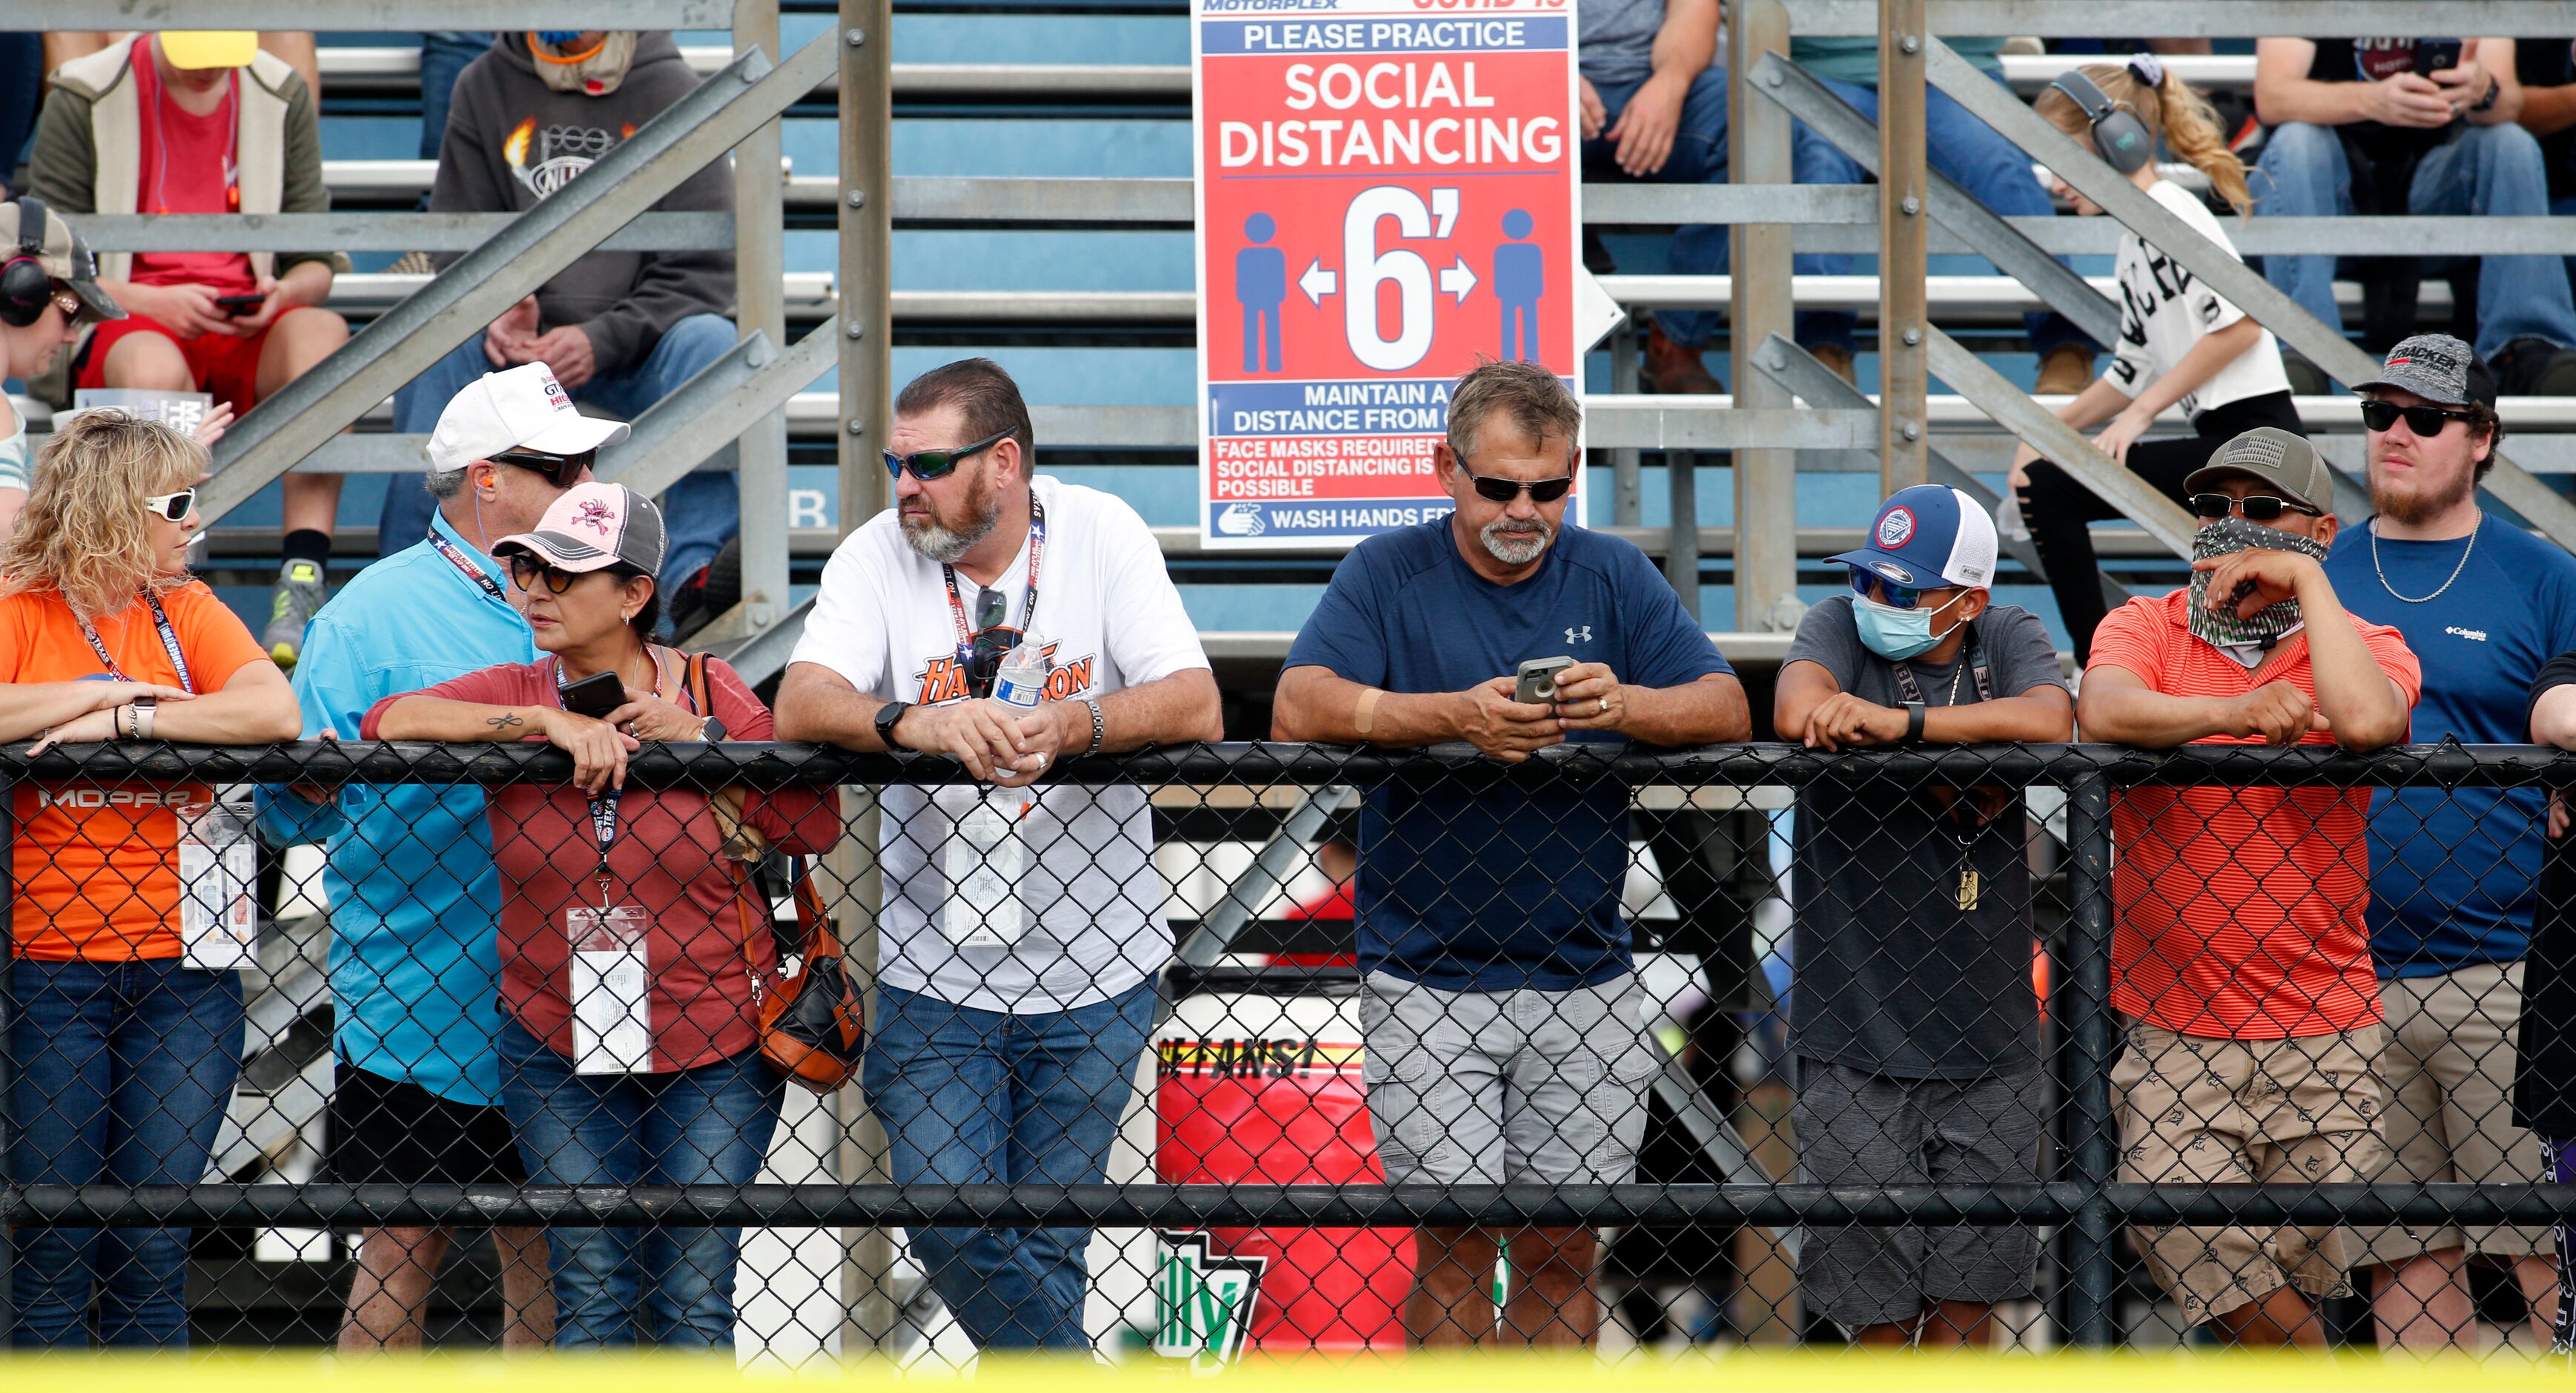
(810, 1023)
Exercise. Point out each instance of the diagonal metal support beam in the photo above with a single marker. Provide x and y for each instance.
(2508, 483)
(2061, 444)
(765, 654)
(1272, 867)
(726, 398)
(1841, 124)
(698, 129)
(1796, 369)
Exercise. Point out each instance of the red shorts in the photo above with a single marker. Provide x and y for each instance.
(224, 366)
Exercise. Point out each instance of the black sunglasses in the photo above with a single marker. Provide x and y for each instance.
(927, 465)
(2427, 421)
(993, 642)
(2253, 508)
(526, 570)
(562, 471)
(1505, 490)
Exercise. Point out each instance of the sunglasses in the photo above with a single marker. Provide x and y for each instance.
(1505, 490)
(2426, 421)
(70, 304)
(562, 471)
(927, 465)
(1870, 586)
(2258, 507)
(526, 571)
(993, 642)
(172, 507)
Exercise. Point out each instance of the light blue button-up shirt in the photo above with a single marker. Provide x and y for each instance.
(414, 897)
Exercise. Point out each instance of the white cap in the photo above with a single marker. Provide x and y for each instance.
(518, 408)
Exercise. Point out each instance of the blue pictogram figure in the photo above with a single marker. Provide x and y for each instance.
(1520, 277)
(1261, 284)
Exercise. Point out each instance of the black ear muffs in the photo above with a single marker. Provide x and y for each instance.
(25, 289)
(2119, 137)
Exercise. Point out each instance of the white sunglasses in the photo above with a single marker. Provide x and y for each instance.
(172, 506)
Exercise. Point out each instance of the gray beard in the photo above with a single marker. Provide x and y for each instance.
(947, 545)
(1512, 551)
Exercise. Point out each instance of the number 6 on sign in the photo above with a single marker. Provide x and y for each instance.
(1365, 266)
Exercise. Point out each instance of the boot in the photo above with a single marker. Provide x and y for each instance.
(1673, 370)
(2066, 370)
(1839, 359)
(2532, 366)
(2306, 378)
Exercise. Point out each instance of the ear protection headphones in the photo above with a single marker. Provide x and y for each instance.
(2119, 137)
(25, 289)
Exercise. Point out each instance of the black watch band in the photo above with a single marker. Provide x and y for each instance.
(888, 716)
(1913, 722)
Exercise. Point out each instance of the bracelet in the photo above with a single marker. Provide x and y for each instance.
(1099, 727)
(1913, 722)
(2495, 89)
(121, 721)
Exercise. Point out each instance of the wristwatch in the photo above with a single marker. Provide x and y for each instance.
(712, 729)
(146, 707)
(1913, 723)
(887, 717)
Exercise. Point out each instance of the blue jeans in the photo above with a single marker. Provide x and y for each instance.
(2493, 171)
(974, 1097)
(1993, 170)
(442, 56)
(2566, 208)
(701, 512)
(1698, 157)
(123, 1071)
(705, 1126)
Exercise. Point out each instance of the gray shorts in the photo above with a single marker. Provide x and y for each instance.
(1862, 1129)
(1488, 1088)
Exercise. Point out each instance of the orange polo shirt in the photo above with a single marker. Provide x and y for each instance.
(96, 864)
(2240, 910)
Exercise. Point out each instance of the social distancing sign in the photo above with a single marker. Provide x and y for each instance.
(1388, 192)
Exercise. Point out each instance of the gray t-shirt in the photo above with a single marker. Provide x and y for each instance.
(1615, 39)
(1892, 975)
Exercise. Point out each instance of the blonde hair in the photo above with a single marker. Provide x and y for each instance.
(83, 531)
(2175, 112)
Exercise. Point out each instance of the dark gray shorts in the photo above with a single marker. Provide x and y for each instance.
(1858, 1128)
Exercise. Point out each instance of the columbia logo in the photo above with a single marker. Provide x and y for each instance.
(2475, 635)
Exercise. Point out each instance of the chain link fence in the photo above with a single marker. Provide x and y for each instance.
(2049, 1045)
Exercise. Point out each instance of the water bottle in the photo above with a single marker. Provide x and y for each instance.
(1022, 676)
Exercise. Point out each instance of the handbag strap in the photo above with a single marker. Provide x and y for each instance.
(736, 835)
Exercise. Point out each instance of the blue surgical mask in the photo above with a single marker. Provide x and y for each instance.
(1896, 634)
(558, 38)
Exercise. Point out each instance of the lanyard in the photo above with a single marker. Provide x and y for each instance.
(1028, 606)
(457, 558)
(603, 809)
(1974, 657)
(169, 645)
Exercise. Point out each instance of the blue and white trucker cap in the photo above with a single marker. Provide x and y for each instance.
(1927, 536)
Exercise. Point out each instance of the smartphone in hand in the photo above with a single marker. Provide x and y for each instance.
(240, 306)
(595, 695)
(1538, 680)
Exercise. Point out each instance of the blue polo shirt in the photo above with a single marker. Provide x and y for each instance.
(1504, 888)
(414, 897)
(2454, 875)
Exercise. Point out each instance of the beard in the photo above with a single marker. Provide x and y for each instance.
(1516, 544)
(935, 541)
(2425, 500)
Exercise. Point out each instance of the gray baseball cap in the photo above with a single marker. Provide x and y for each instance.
(2276, 457)
(2439, 368)
(29, 229)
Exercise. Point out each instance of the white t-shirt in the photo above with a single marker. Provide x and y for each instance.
(1089, 922)
(2164, 310)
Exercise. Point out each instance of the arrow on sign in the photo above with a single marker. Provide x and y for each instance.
(1458, 280)
(1318, 282)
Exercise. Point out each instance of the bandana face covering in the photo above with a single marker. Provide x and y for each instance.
(2221, 627)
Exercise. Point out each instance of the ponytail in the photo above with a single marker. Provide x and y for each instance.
(2181, 117)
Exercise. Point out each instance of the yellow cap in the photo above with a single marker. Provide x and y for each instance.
(209, 48)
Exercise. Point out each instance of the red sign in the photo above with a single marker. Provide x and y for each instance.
(1387, 193)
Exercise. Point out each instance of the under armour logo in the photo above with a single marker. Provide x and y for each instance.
(1582, 635)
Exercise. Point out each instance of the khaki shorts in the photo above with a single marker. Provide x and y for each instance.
(2235, 1112)
(2449, 1072)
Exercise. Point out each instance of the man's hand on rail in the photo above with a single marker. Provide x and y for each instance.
(1506, 729)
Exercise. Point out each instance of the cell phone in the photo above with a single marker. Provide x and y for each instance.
(239, 305)
(2435, 55)
(1538, 680)
(595, 695)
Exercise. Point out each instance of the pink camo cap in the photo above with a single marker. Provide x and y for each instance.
(594, 526)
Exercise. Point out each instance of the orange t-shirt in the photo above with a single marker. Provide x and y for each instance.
(95, 865)
(2239, 909)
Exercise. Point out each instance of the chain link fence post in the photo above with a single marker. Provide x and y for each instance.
(2092, 1034)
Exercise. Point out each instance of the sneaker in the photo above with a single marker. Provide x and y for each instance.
(2306, 378)
(2065, 371)
(412, 264)
(2532, 366)
(300, 592)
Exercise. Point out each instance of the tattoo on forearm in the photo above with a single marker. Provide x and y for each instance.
(504, 721)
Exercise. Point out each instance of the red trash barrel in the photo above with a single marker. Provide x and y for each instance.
(1267, 1090)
